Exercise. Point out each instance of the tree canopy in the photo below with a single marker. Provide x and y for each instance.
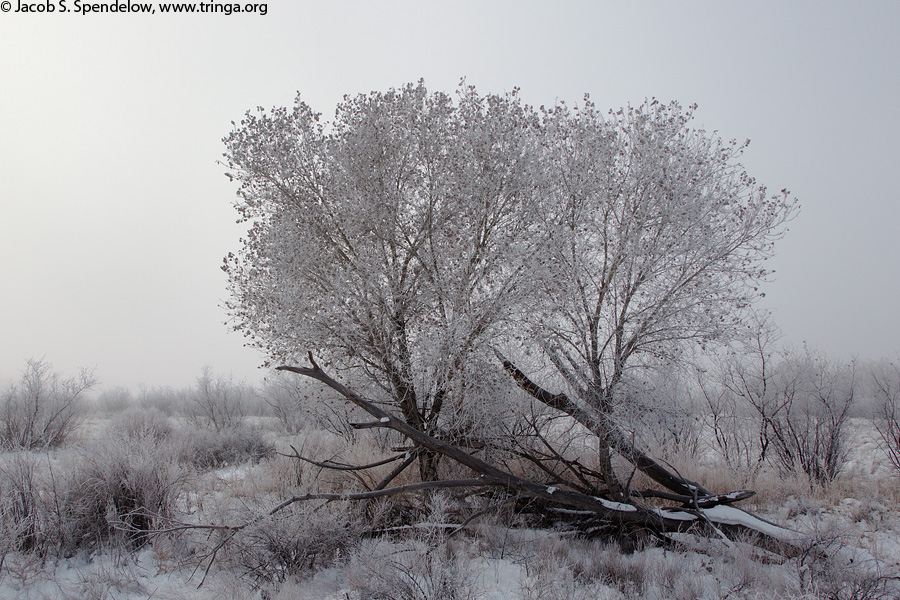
(416, 232)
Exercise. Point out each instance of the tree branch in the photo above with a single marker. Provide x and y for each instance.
(632, 454)
(341, 467)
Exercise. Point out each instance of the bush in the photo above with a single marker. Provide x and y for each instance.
(810, 432)
(295, 541)
(886, 384)
(799, 406)
(42, 410)
(22, 511)
(142, 423)
(113, 401)
(217, 402)
(208, 449)
(123, 485)
(163, 399)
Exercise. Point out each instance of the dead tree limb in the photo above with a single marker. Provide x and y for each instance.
(620, 443)
(700, 501)
(328, 464)
(410, 458)
(727, 518)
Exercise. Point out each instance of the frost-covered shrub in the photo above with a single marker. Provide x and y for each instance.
(120, 486)
(164, 399)
(42, 409)
(113, 401)
(421, 568)
(217, 402)
(138, 422)
(22, 513)
(885, 378)
(295, 541)
(209, 448)
(783, 408)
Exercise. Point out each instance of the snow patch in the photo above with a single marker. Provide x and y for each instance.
(620, 506)
(727, 515)
(233, 473)
(675, 515)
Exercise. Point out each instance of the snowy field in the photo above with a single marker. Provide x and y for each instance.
(68, 532)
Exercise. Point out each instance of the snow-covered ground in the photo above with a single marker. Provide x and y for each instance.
(857, 519)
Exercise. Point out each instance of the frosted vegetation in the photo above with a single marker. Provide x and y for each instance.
(99, 514)
(542, 376)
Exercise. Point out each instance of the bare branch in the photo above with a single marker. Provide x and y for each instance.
(627, 449)
(339, 466)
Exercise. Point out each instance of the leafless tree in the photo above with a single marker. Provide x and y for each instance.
(810, 434)
(770, 405)
(42, 409)
(885, 378)
(217, 401)
(744, 399)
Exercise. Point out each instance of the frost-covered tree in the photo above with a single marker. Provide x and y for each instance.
(389, 240)
(885, 381)
(216, 401)
(656, 242)
(417, 236)
(42, 409)
(416, 231)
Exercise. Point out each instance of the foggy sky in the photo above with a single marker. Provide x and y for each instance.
(115, 215)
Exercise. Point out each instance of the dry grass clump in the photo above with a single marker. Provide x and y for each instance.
(115, 488)
(421, 568)
(293, 543)
(137, 422)
(211, 448)
(418, 563)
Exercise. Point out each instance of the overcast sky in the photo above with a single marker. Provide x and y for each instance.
(116, 216)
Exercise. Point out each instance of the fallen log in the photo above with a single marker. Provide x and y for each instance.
(714, 514)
